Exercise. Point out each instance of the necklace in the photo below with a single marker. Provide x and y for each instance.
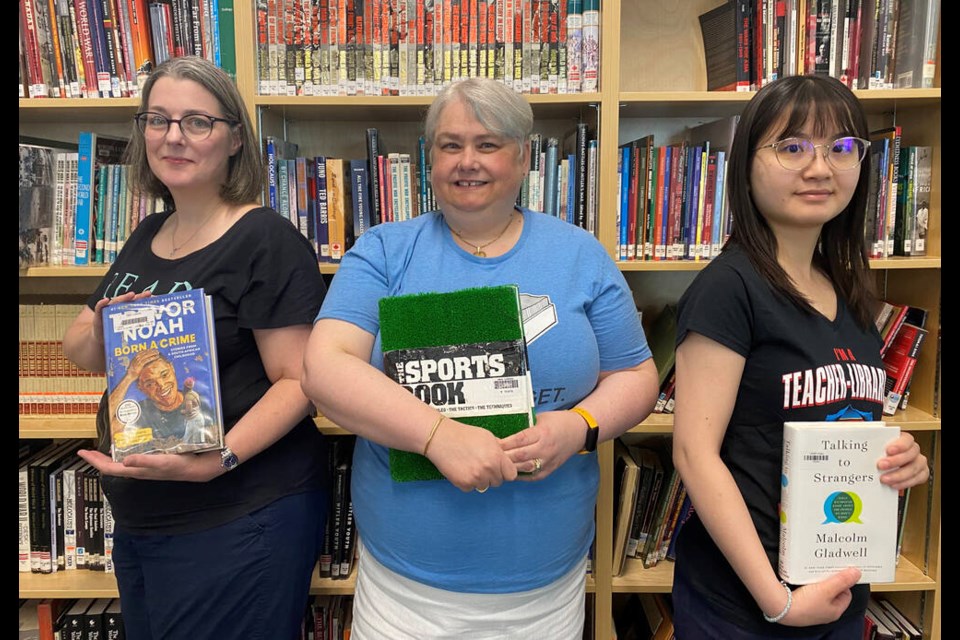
(174, 247)
(479, 248)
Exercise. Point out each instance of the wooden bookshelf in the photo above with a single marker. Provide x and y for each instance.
(652, 75)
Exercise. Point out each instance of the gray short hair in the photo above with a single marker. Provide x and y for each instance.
(497, 107)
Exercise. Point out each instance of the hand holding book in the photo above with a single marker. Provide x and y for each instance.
(904, 465)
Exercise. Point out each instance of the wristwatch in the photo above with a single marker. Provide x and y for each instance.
(593, 430)
(228, 459)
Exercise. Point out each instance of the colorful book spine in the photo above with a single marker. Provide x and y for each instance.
(322, 210)
(86, 184)
(226, 37)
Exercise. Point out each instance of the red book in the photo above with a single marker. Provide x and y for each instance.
(48, 611)
(892, 326)
(899, 362)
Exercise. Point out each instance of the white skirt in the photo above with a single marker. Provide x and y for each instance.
(387, 606)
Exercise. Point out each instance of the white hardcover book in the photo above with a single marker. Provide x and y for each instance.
(834, 512)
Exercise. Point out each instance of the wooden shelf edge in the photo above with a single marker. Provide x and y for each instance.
(99, 270)
(329, 586)
(636, 579)
(96, 584)
(68, 584)
(83, 426)
(659, 579)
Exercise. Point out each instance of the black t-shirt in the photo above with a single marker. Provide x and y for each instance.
(262, 274)
(791, 355)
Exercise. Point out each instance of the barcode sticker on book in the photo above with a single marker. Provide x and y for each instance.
(816, 457)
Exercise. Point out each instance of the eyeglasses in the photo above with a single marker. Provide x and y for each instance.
(843, 154)
(195, 127)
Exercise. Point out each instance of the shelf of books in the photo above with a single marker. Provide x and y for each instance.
(655, 80)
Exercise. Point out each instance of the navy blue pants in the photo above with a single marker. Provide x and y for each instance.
(246, 579)
(695, 619)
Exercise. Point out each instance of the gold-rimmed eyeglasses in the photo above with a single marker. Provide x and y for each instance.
(843, 154)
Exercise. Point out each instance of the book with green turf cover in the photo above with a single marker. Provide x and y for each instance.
(462, 352)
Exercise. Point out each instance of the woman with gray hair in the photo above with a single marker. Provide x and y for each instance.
(498, 549)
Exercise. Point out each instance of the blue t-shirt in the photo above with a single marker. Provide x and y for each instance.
(580, 320)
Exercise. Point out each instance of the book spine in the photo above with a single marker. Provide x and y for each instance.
(300, 164)
(550, 205)
(591, 45)
(58, 50)
(592, 153)
(373, 152)
(86, 182)
(406, 186)
(922, 188)
(38, 87)
(623, 215)
(361, 197)
(24, 520)
(70, 518)
(322, 208)
(574, 45)
(100, 215)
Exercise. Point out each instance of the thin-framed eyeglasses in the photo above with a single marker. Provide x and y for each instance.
(196, 126)
(843, 154)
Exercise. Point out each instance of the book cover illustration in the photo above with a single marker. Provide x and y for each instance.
(37, 194)
(834, 512)
(162, 375)
(462, 352)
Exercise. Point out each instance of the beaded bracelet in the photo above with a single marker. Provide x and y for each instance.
(433, 432)
(786, 608)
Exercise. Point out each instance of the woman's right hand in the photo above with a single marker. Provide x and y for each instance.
(822, 602)
(470, 457)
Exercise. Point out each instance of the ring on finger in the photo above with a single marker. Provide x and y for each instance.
(483, 490)
(537, 466)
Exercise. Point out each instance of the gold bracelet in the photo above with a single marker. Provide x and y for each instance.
(433, 432)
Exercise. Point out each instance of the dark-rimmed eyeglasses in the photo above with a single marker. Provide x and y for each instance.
(195, 127)
(843, 154)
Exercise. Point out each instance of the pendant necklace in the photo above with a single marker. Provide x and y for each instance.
(479, 248)
(174, 247)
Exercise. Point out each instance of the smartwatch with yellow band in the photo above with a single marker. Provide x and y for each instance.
(593, 430)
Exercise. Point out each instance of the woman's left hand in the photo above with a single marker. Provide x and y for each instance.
(904, 466)
(184, 467)
(542, 448)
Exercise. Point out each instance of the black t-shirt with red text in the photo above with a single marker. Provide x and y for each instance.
(800, 366)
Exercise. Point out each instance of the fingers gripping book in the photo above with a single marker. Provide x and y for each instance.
(462, 352)
(162, 375)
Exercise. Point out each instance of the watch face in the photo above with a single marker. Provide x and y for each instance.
(228, 459)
